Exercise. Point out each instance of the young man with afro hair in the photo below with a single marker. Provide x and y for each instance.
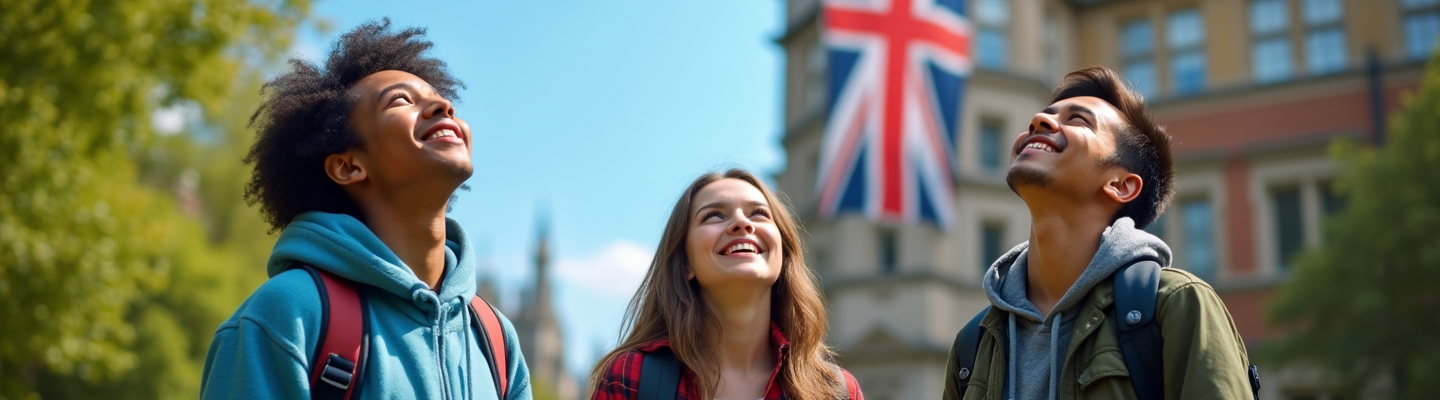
(355, 164)
(1094, 169)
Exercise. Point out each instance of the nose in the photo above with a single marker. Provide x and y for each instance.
(742, 226)
(1044, 123)
(441, 107)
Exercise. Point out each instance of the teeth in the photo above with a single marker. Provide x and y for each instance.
(1040, 146)
(441, 133)
(742, 246)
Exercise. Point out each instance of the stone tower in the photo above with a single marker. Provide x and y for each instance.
(539, 328)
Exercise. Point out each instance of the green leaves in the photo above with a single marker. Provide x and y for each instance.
(91, 239)
(1363, 305)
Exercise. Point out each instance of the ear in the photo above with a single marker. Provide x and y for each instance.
(689, 274)
(1123, 187)
(345, 168)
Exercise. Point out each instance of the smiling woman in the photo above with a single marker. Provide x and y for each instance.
(730, 302)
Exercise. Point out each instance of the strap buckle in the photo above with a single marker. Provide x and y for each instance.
(338, 372)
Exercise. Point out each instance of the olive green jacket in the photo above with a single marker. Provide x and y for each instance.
(1204, 356)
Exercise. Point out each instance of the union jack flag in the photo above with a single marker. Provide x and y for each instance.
(896, 73)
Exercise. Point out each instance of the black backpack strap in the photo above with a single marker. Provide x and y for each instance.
(1136, 288)
(659, 375)
(967, 343)
(1254, 381)
(339, 377)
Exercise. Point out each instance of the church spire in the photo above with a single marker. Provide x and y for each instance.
(542, 262)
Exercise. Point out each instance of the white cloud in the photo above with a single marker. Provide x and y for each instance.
(615, 270)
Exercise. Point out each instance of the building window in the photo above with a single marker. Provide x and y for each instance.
(1289, 225)
(1137, 55)
(990, 144)
(815, 77)
(889, 252)
(992, 244)
(1324, 36)
(992, 17)
(1422, 27)
(1198, 218)
(1270, 54)
(1185, 37)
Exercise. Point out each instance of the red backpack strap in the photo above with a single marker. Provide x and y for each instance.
(343, 343)
(486, 322)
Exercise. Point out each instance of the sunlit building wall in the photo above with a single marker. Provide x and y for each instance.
(1253, 92)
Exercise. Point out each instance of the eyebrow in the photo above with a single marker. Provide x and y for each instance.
(405, 85)
(720, 204)
(1074, 109)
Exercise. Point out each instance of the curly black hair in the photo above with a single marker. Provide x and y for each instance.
(305, 117)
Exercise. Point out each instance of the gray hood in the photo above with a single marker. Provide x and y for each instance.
(1036, 341)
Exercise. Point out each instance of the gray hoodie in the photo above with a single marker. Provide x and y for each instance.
(1037, 343)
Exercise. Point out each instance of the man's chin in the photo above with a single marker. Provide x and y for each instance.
(1021, 175)
(456, 167)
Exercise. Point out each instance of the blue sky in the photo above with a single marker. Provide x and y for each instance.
(593, 116)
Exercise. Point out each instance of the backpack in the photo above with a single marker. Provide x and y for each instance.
(1136, 288)
(344, 339)
(660, 376)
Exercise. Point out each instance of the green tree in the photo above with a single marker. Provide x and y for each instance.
(99, 271)
(217, 261)
(1363, 306)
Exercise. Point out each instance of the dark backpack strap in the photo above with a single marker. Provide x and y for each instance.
(659, 375)
(1254, 381)
(343, 343)
(967, 343)
(1136, 287)
(486, 322)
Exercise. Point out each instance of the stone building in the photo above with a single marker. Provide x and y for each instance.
(539, 328)
(1253, 91)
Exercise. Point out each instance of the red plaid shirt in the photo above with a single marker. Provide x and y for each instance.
(624, 377)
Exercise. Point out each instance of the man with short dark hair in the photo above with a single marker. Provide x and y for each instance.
(372, 289)
(1094, 169)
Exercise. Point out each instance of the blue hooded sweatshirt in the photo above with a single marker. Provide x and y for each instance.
(421, 342)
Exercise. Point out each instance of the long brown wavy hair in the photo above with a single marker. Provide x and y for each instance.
(668, 305)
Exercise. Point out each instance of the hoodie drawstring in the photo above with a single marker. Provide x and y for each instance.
(1054, 354)
(469, 373)
(1055, 366)
(437, 330)
(1010, 377)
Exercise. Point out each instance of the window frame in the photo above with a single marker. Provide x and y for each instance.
(1181, 51)
(1147, 57)
(1268, 172)
(1203, 180)
(1315, 28)
(1277, 36)
(888, 245)
(1410, 11)
(1000, 28)
(992, 150)
(986, 227)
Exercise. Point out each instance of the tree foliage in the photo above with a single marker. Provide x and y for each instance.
(1363, 306)
(107, 287)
